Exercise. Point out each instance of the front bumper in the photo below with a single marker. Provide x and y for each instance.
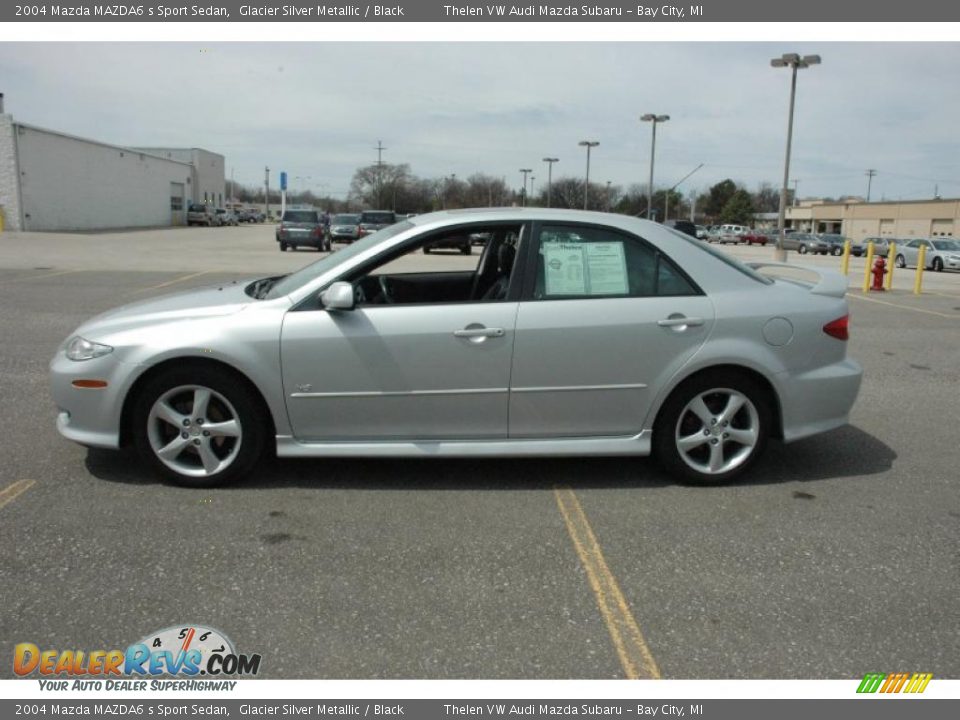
(89, 416)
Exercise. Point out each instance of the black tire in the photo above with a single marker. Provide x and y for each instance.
(249, 444)
(900, 261)
(466, 249)
(837, 252)
(937, 265)
(426, 250)
(802, 249)
(283, 247)
(713, 385)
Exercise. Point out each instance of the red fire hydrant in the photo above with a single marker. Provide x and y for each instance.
(879, 270)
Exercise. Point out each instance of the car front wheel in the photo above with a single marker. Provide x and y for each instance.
(938, 265)
(712, 428)
(802, 249)
(198, 427)
(900, 261)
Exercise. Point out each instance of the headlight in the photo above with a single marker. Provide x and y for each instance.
(80, 349)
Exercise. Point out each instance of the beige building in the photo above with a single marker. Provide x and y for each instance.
(857, 219)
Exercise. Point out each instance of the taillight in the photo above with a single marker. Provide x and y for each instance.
(839, 328)
(316, 232)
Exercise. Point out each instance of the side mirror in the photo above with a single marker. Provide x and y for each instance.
(338, 296)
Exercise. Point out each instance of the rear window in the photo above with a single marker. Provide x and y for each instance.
(378, 218)
(197, 208)
(301, 216)
(345, 219)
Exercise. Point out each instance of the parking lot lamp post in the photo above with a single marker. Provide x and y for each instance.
(532, 178)
(550, 161)
(654, 119)
(586, 185)
(523, 195)
(794, 62)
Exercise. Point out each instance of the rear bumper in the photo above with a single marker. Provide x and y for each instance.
(819, 400)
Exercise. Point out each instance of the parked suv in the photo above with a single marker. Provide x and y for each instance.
(302, 227)
(373, 220)
(684, 226)
(198, 214)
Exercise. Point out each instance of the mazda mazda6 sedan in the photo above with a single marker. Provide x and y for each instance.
(571, 333)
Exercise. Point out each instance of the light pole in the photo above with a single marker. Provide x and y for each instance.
(666, 200)
(550, 161)
(586, 186)
(608, 195)
(532, 178)
(523, 196)
(652, 118)
(794, 62)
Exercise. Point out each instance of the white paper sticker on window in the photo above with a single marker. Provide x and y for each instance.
(584, 269)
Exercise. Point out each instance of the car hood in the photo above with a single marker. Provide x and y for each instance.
(213, 301)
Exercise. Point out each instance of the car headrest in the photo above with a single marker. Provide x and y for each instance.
(505, 257)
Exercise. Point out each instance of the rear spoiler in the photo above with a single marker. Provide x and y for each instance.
(828, 282)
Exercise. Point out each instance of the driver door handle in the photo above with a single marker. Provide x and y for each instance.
(481, 332)
(678, 321)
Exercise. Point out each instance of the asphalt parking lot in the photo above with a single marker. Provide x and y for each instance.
(837, 556)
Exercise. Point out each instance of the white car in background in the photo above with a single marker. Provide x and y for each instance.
(940, 254)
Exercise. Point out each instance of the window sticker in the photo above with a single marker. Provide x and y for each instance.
(584, 268)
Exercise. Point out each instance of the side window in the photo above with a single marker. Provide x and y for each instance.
(578, 262)
(472, 263)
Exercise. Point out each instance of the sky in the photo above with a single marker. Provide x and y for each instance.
(318, 109)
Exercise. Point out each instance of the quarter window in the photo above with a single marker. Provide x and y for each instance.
(579, 262)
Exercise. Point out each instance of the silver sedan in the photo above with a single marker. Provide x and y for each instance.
(572, 333)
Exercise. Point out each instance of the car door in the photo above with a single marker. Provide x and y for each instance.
(607, 320)
(408, 371)
(911, 252)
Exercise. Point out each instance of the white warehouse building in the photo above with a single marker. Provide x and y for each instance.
(52, 181)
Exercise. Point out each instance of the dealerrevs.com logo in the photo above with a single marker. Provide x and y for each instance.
(184, 651)
(910, 683)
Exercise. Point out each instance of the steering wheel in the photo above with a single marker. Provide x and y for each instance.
(385, 290)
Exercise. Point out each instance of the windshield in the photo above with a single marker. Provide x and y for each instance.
(946, 245)
(345, 219)
(312, 271)
(301, 216)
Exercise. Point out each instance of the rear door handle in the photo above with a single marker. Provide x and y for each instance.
(676, 322)
(481, 332)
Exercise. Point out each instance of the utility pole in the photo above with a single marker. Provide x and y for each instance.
(870, 174)
(586, 182)
(379, 148)
(796, 192)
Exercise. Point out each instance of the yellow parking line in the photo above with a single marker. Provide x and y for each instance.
(11, 492)
(173, 282)
(45, 275)
(635, 657)
(903, 307)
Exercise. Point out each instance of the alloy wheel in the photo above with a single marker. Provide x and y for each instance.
(194, 431)
(717, 431)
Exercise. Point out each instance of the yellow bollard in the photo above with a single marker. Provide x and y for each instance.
(921, 260)
(866, 272)
(845, 263)
(891, 257)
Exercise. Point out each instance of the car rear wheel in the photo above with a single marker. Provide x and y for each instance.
(198, 427)
(837, 251)
(712, 428)
(283, 247)
(802, 249)
(900, 261)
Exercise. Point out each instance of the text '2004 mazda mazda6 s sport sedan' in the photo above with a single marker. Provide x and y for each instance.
(572, 333)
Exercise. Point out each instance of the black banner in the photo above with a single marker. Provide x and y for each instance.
(471, 11)
(853, 709)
